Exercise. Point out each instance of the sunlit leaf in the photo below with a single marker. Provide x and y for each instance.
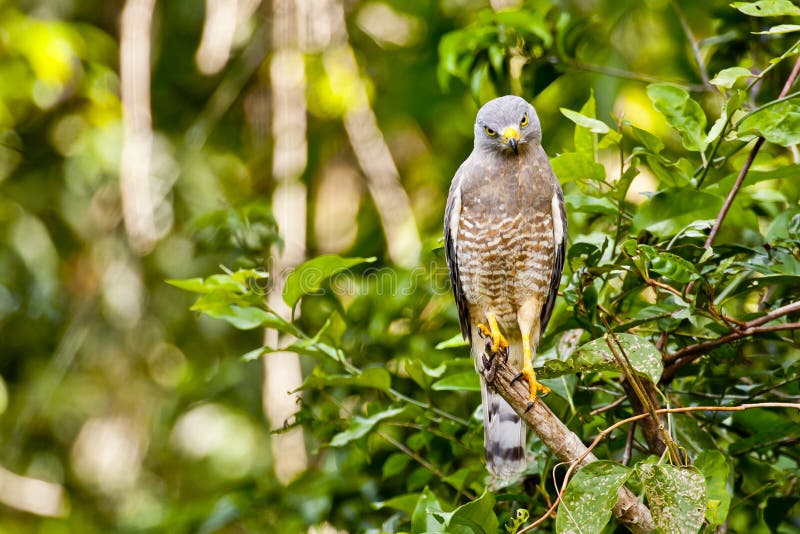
(593, 125)
(243, 318)
(310, 276)
(590, 496)
(455, 341)
(360, 426)
(768, 8)
(572, 166)
(778, 123)
(676, 496)
(781, 28)
(727, 78)
(681, 112)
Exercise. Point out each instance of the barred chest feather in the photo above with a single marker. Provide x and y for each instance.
(505, 255)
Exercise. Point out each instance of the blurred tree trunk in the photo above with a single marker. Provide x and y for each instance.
(282, 371)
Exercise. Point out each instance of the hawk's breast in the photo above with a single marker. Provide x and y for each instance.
(505, 254)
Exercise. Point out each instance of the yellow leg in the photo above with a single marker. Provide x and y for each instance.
(499, 343)
(528, 373)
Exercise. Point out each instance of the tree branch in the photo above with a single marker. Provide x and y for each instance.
(688, 354)
(629, 510)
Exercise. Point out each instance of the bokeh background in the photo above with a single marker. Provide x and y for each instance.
(144, 140)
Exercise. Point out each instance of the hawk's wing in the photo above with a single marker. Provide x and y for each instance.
(559, 215)
(452, 215)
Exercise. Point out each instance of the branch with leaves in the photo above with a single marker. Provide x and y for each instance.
(628, 510)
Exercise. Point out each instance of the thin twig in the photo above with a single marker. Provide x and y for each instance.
(621, 73)
(693, 43)
(609, 406)
(687, 355)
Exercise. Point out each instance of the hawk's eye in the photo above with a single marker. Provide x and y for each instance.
(489, 131)
(524, 121)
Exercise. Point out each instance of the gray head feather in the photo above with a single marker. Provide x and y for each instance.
(506, 112)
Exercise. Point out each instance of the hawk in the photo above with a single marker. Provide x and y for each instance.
(505, 230)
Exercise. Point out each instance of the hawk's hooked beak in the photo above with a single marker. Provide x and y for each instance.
(511, 135)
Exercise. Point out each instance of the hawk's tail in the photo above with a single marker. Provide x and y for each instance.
(503, 431)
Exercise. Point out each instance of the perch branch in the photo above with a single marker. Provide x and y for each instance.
(602, 435)
(629, 510)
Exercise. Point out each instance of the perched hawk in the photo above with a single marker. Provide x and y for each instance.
(505, 231)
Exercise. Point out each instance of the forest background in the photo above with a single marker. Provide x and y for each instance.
(165, 166)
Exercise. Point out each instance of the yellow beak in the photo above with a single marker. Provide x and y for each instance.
(511, 135)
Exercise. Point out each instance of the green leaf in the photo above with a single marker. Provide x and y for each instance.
(194, 285)
(309, 277)
(405, 503)
(681, 112)
(597, 356)
(649, 141)
(455, 341)
(781, 28)
(670, 210)
(727, 78)
(242, 318)
(590, 496)
(768, 8)
(573, 166)
(669, 265)
(459, 382)
(593, 125)
(360, 426)
(374, 377)
(425, 519)
(477, 516)
(785, 226)
(676, 495)
(394, 464)
(778, 123)
(715, 469)
(578, 203)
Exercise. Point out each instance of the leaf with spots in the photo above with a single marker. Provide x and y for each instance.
(676, 495)
(597, 356)
(590, 496)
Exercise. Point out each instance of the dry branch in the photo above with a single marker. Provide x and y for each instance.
(629, 510)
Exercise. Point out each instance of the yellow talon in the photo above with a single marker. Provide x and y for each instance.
(528, 373)
(499, 343)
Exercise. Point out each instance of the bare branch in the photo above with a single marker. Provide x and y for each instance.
(688, 354)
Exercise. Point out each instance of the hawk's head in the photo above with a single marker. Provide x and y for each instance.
(506, 125)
